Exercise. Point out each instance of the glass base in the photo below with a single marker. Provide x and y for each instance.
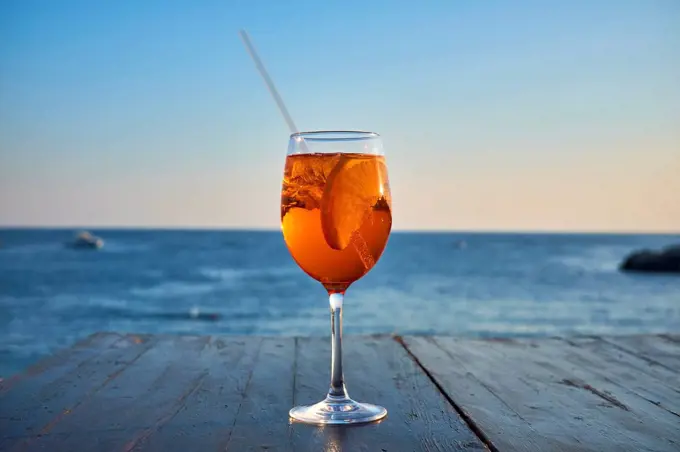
(338, 411)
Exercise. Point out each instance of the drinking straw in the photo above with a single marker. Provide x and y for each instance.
(268, 81)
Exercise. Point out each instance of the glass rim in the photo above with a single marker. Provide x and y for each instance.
(334, 135)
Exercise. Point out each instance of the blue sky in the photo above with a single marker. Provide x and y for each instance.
(522, 115)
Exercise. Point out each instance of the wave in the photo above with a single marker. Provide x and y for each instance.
(598, 260)
(122, 248)
(236, 274)
(32, 248)
(224, 274)
(172, 289)
(192, 314)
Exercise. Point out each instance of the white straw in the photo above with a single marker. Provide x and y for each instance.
(268, 81)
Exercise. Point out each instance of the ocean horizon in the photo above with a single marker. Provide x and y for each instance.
(231, 281)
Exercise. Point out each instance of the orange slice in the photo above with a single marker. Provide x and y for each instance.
(352, 188)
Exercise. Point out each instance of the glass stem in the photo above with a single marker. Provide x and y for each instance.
(337, 389)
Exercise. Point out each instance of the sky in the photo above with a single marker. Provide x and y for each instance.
(496, 115)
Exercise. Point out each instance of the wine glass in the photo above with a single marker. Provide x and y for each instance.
(336, 216)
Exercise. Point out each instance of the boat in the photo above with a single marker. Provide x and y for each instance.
(86, 240)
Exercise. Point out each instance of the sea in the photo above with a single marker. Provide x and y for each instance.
(229, 282)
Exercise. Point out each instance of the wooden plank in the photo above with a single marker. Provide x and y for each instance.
(657, 350)
(523, 397)
(59, 363)
(605, 349)
(564, 365)
(140, 397)
(165, 393)
(378, 370)
(145, 391)
(235, 394)
(502, 426)
(659, 386)
(207, 415)
(262, 422)
(204, 417)
(627, 418)
(38, 401)
(98, 441)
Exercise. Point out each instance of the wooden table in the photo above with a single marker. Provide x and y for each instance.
(188, 393)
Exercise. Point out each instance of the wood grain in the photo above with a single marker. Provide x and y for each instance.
(658, 351)
(378, 370)
(262, 422)
(544, 395)
(139, 397)
(657, 385)
(207, 414)
(176, 393)
(42, 400)
(60, 363)
(503, 427)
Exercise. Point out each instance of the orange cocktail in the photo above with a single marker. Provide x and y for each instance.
(336, 214)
